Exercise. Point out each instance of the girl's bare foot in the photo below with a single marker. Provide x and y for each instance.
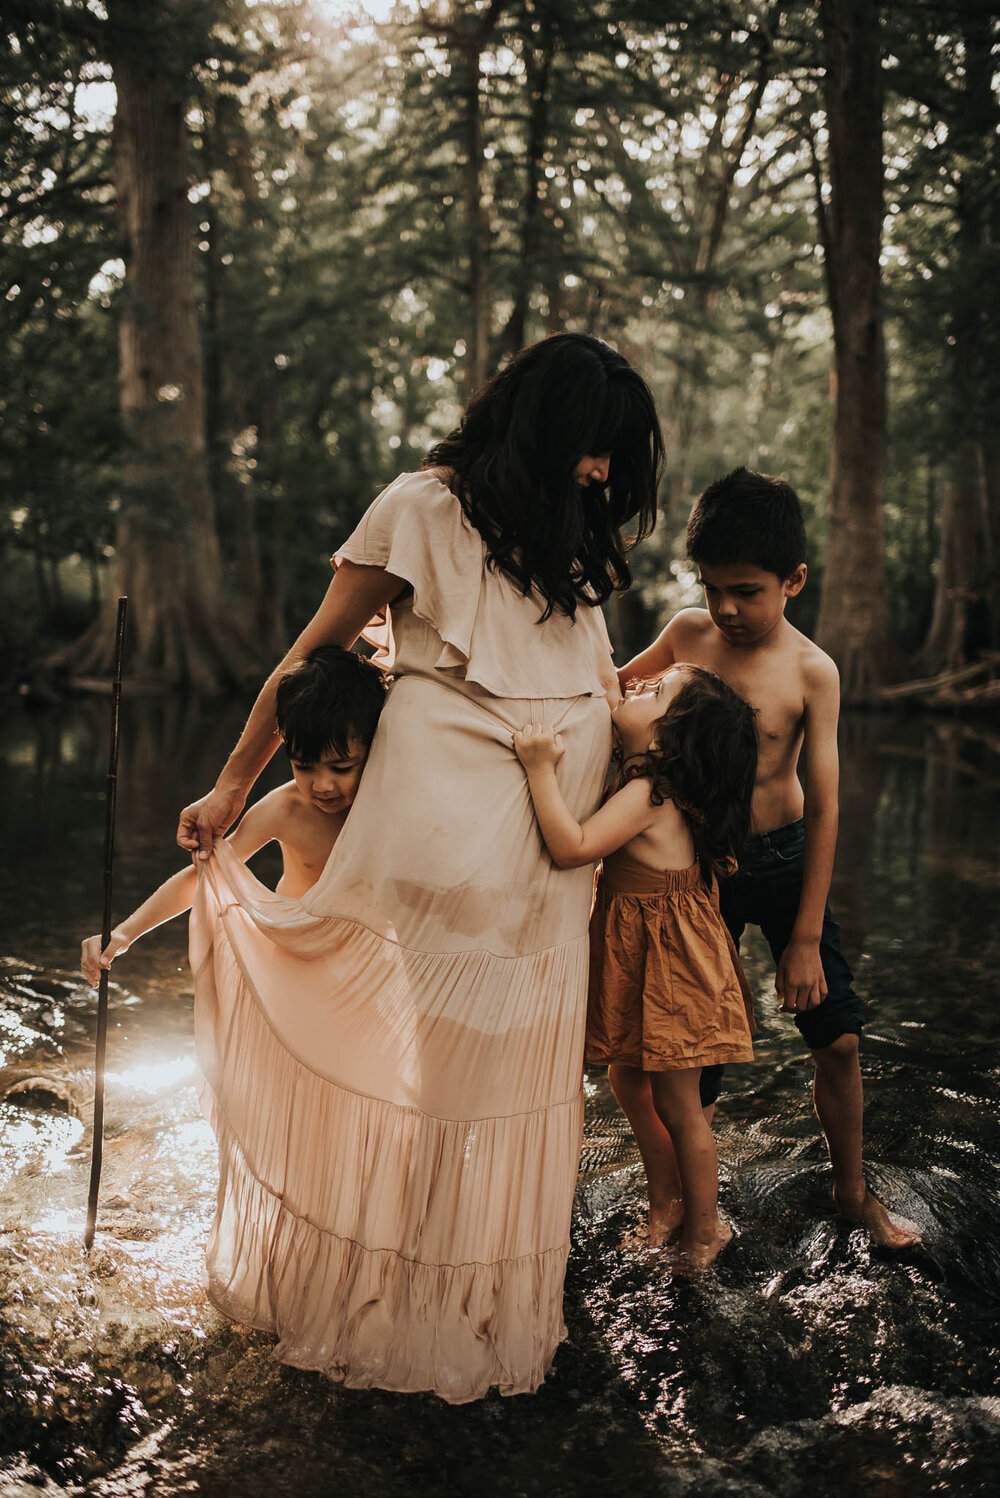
(886, 1229)
(695, 1258)
(636, 1241)
(664, 1222)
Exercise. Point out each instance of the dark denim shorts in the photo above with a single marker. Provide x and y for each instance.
(765, 892)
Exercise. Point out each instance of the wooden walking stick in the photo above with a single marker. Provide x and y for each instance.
(97, 1153)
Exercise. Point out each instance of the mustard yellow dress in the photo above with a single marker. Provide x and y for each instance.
(393, 1065)
(667, 991)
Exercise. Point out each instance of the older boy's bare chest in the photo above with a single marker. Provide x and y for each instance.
(769, 680)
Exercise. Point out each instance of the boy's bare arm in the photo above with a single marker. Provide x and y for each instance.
(175, 895)
(799, 981)
(656, 658)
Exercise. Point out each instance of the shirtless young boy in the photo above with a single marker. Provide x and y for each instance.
(326, 711)
(747, 536)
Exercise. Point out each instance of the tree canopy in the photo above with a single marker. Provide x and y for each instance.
(379, 202)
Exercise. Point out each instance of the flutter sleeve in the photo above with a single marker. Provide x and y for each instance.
(490, 633)
(417, 531)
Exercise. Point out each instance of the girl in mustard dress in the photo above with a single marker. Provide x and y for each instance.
(667, 995)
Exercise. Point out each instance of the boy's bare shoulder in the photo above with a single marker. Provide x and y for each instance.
(819, 671)
(817, 674)
(295, 823)
(691, 625)
(274, 809)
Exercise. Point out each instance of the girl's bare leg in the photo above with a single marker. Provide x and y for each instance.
(675, 1096)
(666, 1208)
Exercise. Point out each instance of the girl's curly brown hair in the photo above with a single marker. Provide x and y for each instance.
(704, 758)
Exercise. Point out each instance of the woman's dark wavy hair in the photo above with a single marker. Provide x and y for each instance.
(512, 459)
(704, 758)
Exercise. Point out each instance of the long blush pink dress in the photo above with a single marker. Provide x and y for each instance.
(393, 1065)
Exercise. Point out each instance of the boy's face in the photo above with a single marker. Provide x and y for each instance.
(746, 602)
(331, 784)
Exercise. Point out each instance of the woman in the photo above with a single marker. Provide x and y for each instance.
(395, 1062)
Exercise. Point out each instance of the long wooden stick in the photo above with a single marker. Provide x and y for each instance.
(97, 1153)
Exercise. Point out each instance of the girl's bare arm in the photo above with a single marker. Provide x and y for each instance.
(570, 843)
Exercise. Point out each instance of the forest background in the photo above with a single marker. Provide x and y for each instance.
(256, 255)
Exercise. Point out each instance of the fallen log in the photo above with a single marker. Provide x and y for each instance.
(933, 685)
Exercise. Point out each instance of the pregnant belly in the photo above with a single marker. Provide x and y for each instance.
(441, 847)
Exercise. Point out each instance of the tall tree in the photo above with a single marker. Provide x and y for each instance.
(167, 554)
(59, 430)
(470, 36)
(853, 625)
(966, 615)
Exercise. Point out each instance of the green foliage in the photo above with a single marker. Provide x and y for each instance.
(646, 172)
(59, 429)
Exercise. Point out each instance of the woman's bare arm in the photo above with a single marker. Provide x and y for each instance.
(354, 596)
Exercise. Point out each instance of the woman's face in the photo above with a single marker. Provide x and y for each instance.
(643, 705)
(593, 468)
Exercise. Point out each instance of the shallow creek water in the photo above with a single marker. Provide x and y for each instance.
(806, 1363)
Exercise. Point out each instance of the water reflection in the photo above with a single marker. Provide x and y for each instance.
(807, 1364)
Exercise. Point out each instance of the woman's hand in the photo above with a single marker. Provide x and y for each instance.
(356, 594)
(205, 822)
(538, 744)
(92, 959)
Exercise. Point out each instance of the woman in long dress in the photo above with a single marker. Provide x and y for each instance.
(394, 1064)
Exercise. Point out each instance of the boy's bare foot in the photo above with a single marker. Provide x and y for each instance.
(886, 1229)
(695, 1258)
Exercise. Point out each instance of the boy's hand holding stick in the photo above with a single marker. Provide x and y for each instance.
(96, 958)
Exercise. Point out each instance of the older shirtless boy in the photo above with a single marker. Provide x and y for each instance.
(747, 536)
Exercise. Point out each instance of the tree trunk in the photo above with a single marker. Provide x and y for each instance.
(711, 210)
(234, 424)
(991, 479)
(272, 622)
(94, 577)
(167, 556)
(42, 583)
(966, 605)
(963, 564)
(56, 582)
(539, 67)
(477, 226)
(853, 625)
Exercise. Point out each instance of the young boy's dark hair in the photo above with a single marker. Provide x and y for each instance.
(748, 519)
(333, 697)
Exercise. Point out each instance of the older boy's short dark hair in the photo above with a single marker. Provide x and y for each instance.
(748, 519)
(334, 696)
